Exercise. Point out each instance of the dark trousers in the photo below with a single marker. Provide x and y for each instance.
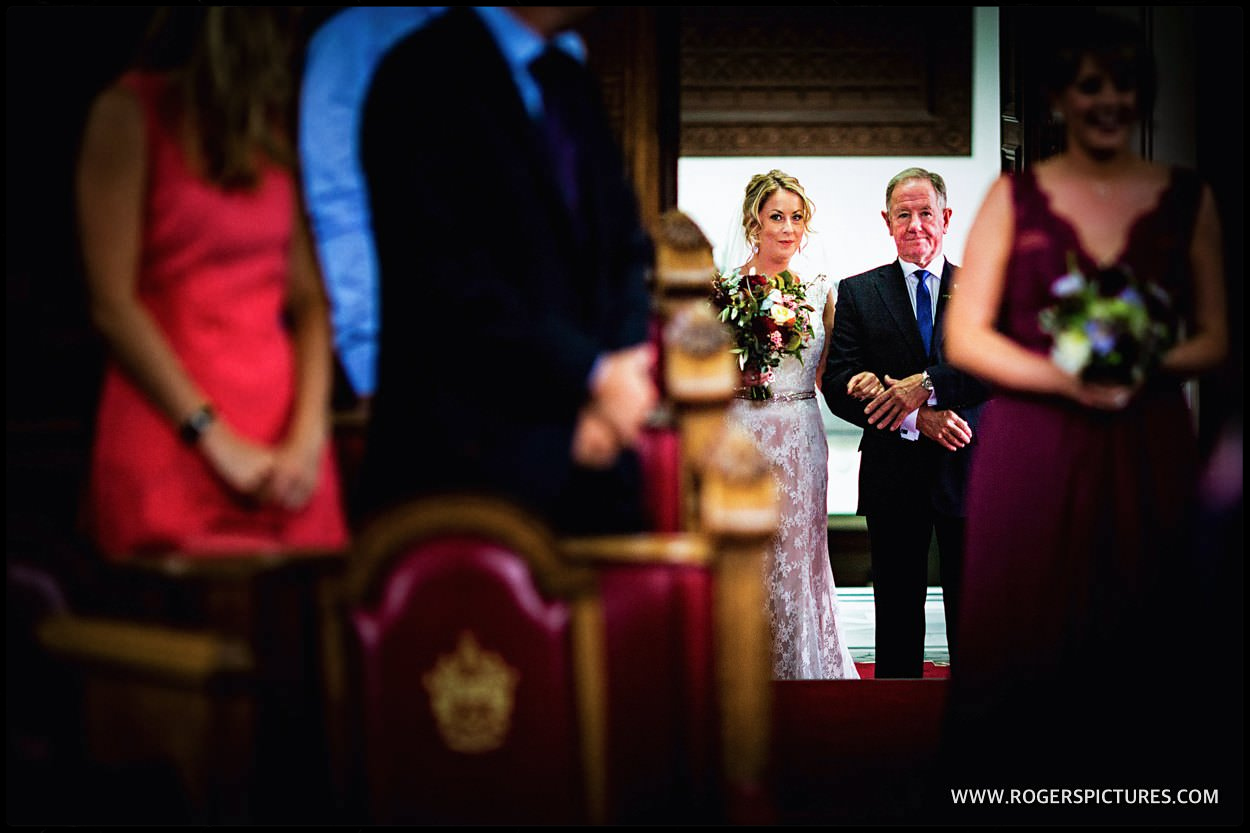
(900, 567)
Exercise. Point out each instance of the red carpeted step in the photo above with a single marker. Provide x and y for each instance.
(854, 751)
(868, 671)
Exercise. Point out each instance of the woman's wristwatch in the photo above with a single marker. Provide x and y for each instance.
(194, 426)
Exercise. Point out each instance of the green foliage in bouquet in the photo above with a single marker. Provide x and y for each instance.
(1107, 327)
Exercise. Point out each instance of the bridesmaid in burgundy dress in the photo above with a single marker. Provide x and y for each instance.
(1081, 493)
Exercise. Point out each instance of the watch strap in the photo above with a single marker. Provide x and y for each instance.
(194, 426)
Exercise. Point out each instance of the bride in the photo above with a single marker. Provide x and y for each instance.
(788, 430)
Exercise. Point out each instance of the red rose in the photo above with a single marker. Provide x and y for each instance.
(764, 324)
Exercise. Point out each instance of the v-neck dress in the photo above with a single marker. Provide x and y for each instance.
(1076, 518)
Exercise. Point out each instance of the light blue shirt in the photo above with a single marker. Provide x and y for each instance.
(934, 283)
(342, 57)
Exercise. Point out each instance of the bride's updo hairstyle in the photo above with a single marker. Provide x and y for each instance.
(759, 189)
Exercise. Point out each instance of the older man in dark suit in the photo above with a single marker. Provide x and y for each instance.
(887, 373)
(512, 355)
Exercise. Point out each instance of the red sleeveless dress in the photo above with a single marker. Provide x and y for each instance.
(213, 274)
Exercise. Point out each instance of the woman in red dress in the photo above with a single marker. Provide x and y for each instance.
(212, 434)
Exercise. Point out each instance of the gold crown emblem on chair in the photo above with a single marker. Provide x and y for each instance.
(472, 694)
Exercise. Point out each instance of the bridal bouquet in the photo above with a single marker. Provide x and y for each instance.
(770, 319)
(1108, 327)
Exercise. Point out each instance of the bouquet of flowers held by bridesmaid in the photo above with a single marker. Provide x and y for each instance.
(770, 319)
(1107, 327)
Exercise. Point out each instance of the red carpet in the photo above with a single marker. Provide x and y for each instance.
(847, 752)
(867, 671)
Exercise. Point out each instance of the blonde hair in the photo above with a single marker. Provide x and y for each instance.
(759, 189)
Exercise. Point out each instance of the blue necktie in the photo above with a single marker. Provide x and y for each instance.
(924, 309)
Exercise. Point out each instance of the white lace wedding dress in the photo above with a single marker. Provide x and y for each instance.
(802, 600)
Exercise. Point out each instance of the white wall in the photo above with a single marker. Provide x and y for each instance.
(849, 192)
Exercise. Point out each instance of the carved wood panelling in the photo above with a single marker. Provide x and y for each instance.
(623, 43)
(826, 81)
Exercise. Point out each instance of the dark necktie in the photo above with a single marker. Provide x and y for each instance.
(924, 309)
(560, 78)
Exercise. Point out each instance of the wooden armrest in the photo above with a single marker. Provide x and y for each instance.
(230, 566)
(185, 656)
(680, 548)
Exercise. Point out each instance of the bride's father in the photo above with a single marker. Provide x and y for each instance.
(887, 373)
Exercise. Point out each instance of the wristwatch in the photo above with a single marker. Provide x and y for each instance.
(194, 426)
(925, 381)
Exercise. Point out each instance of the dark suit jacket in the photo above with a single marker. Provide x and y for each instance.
(495, 300)
(875, 329)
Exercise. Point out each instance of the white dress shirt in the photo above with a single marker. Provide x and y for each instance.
(936, 267)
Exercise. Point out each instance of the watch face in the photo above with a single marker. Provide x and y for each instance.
(197, 424)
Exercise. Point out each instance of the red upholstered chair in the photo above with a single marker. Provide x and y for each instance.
(659, 453)
(505, 677)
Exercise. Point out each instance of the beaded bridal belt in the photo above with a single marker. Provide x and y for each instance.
(778, 397)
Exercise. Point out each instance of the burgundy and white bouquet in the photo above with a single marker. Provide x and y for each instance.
(1107, 327)
(770, 319)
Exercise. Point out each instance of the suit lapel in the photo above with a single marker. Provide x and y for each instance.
(501, 104)
(511, 141)
(892, 287)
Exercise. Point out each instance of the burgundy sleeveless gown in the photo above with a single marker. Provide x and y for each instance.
(1077, 518)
